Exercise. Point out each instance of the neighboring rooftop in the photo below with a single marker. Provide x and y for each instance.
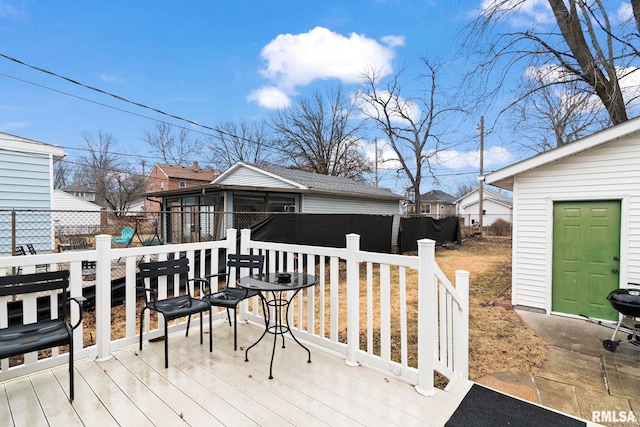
(193, 172)
(437, 196)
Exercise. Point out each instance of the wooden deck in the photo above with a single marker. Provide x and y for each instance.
(220, 388)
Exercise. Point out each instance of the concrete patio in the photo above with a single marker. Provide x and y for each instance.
(580, 377)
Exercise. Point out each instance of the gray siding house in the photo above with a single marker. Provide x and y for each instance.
(26, 182)
(576, 222)
(257, 190)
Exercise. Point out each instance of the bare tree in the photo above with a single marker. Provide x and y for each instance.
(247, 142)
(594, 54)
(175, 148)
(320, 135)
(115, 181)
(552, 115)
(61, 173)
(409, 120)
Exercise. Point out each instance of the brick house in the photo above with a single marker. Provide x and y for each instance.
(164, 177)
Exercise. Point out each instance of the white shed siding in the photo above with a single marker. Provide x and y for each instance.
(80, 213)
(251, 178)
(609, 172)
(315, 203)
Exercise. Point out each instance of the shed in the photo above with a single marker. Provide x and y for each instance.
(576, 222)
(26, 183)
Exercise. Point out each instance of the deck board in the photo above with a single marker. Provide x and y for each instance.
(220, 389)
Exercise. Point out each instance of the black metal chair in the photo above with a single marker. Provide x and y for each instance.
(231, 296)
(173, 307)
(45, 332)
(33, 251)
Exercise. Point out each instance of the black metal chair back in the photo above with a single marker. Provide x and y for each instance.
(47, 331)
(173, 307)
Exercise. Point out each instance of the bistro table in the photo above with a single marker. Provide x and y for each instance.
(277, 284)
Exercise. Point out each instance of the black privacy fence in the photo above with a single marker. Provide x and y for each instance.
(45, 231)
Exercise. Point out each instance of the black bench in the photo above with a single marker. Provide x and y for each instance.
(46, 332)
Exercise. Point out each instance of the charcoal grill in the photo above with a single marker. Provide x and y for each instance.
(626, 302)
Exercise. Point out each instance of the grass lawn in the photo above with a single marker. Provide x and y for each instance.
(499, 341)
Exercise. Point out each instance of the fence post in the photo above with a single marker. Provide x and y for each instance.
(353, 299)
(103, 296)
(427, 317)
(461, 326)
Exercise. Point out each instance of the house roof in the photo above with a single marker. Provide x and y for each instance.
(319, 182)
(17, 143)
(79, 188)
(504, 177)
(487, 194)
(437, 196)
(490, 194)
(293, 181)
(193, 173)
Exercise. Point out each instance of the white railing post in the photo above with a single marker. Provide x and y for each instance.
(245, 237)
(461, 326)
(353, 299)
(103, 296)
(427, 317)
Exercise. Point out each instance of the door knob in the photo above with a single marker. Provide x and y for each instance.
(616, 258)
(615, 270)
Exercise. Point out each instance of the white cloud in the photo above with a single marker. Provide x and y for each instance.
(270, 97)
(625, 12)
(110, 78)
(454, 159)
(295, 60)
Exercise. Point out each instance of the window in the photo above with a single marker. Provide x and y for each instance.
(161, 185)
(182, 184)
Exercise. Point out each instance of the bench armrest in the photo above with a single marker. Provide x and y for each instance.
(80, 301)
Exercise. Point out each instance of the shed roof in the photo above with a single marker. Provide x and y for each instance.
(17, 143)
(504, 177)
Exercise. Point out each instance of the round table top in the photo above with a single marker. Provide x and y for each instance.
(273, 281)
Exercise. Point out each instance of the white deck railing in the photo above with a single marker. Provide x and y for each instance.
(360, 307)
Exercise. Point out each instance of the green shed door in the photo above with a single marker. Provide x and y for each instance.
(586, 257)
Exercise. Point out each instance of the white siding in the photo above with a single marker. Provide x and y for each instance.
(314, 203)
(84, 213)
(250, 178)
(609, 172)
(24, 180)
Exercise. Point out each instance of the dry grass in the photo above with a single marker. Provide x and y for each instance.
(499, 341)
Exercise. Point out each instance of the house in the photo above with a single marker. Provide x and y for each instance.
(495, 206)
(257, 190)
(82, 191)
(576, 222)
(26, 183)
(163, 177)
(437, 204)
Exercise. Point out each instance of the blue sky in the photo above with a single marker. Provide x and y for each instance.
(211, 62)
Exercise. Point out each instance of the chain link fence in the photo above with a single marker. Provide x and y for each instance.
(46, 231)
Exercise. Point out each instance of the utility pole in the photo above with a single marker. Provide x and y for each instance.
(481, 177)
